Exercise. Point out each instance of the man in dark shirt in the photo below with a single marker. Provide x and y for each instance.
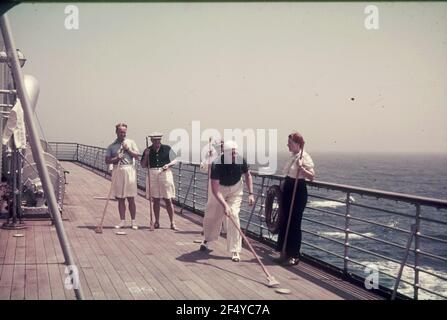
(227, 190)
(161, 158)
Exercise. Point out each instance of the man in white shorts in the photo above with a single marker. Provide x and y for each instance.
(161, 158)
(122, 154)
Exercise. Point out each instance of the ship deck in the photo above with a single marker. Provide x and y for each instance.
(143, 264)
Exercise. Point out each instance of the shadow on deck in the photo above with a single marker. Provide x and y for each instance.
(144, 264)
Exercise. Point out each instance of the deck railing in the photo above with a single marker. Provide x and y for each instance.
(360, 232)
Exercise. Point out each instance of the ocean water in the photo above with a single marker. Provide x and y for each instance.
(415, 174)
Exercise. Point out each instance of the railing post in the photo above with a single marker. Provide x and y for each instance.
(191, 180)
(404, 261)
(194, 189)
(258, 195)
(346, 245)
(416, 252)
(179, 182)
(77, 152)
(96, 159)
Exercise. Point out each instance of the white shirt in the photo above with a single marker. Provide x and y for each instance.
(15, 126)
(114, 148)
(290, 168)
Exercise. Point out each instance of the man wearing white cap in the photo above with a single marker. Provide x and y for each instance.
(122, 154)
(160, 158)
(227, 188)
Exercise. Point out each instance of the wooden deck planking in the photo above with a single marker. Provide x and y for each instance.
(163, 264)
(96, 250)
(30, 246)
(56, 285)
(18, 283)
(43, 282)
(6, 281)
(105, 288)
(31, 284)
(172, 273)
(4, 237)
(40, 257)
(186, 248)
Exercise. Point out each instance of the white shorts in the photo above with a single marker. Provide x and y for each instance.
(162, 184)
(124, 178)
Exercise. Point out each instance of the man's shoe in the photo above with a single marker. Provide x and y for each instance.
(235, 257)
(292, 262)
(173, 226)
(203, 246)
(156, 225)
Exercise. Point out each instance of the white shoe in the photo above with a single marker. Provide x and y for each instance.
(121, 225)
(236, 257)
(134, 225)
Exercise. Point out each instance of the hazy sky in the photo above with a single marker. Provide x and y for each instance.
(242, 65)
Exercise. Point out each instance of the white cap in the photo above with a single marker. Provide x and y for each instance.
(156, 135)
(230, 145)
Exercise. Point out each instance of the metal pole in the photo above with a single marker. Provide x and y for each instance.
(194, 190)
(19, 184)
(404, 261)
(179, 185)
(254, 205)
(186, 196)
(416, 252)
(36, 146)
(346, 245)
(14, 181)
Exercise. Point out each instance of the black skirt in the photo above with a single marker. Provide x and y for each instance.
(293, 245)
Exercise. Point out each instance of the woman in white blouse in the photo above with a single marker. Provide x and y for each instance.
(305, 166)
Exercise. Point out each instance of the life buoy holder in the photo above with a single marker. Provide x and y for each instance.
(273, 208)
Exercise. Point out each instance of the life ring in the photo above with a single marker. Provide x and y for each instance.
(273, 208)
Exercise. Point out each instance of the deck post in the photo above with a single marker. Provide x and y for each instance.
(404, 261)
(346, 244)
(194, 189)
(36, 147)
(416, 252)
(179, 181)
(258, 195)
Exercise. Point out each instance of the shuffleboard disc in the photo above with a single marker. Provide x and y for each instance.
(283, 291)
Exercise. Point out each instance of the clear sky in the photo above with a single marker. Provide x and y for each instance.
(307, 66)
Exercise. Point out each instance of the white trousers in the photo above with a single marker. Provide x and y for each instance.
(214, 215)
